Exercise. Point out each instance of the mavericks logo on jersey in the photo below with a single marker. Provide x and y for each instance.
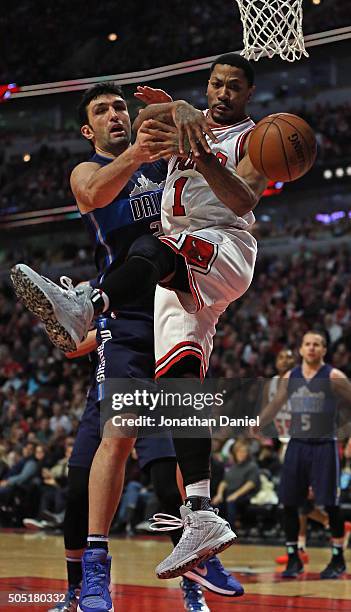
(304, 400)
(148, 200)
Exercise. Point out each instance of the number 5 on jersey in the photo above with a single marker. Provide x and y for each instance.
(178, 207)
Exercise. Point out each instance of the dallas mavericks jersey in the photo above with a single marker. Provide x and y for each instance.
(134, 212)
(313, 405)
(189, 204)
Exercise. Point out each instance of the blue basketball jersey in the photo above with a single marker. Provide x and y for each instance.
(133, 213)
(313, 405)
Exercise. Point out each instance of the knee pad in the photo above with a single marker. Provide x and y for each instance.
(156, 253)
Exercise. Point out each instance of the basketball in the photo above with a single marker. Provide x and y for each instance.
(282, 147)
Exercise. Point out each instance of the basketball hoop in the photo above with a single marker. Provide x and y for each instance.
(272, 27)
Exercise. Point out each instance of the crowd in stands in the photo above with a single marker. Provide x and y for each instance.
(42, 394)
(42, 42)
(288, 296)
(41, 183)
(332, 125)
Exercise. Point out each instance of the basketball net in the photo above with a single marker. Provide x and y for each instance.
(272, 27)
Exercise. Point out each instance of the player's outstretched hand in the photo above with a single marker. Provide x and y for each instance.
(158, 139)
(150, 95)
(192, 126)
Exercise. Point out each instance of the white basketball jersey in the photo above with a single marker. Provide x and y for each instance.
(188, 202)
(282, 419)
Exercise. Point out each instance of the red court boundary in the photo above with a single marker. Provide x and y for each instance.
(158, 599)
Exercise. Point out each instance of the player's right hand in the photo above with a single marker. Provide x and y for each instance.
(192, 125)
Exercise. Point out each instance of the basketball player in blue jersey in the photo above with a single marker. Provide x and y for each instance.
(313, 390)
(225, 269)
(119, 198)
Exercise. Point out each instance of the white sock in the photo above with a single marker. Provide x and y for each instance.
(198, 489)
(99, 296)
(106, 301)
(301, 542)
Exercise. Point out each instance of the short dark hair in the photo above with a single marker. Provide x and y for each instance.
(317, 332)
(233, 59)
(109, 87)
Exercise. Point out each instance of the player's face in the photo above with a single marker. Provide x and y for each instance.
(109, 123)
(284, 362)
(228, 93)
(312, 349)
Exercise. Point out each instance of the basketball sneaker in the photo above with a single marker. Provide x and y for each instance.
(335, 568)
(205, 534)
(193, 597)
(283, 559)
(95, 593)
(35, 525)
(213, 576)
(70, 602)
(294, 567)
(66, 312)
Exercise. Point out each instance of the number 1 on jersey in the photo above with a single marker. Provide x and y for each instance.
(178, 207)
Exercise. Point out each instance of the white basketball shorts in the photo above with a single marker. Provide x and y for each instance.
(220, 268)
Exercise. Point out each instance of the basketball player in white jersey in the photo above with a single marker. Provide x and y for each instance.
(284, 362)
(210, 228)
(204, 261)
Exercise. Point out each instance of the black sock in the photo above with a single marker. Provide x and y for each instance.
(195, 502)
(338, 552)
(97, 541)
(74, 571)
(292, 549)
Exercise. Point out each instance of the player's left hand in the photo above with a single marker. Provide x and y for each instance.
(150, 95)
(159, 138)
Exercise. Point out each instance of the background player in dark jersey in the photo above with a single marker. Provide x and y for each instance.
(285, 361)
(120, 201)
(311, 458)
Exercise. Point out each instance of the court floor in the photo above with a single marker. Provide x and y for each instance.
(33, 564)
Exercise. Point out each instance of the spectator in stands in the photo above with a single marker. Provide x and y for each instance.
(240, 482)
(59, 420)
(18, 482)
(217, 466)
(4, 468)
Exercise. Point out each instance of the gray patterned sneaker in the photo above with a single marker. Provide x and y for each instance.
(205, 534)
(66, 312)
